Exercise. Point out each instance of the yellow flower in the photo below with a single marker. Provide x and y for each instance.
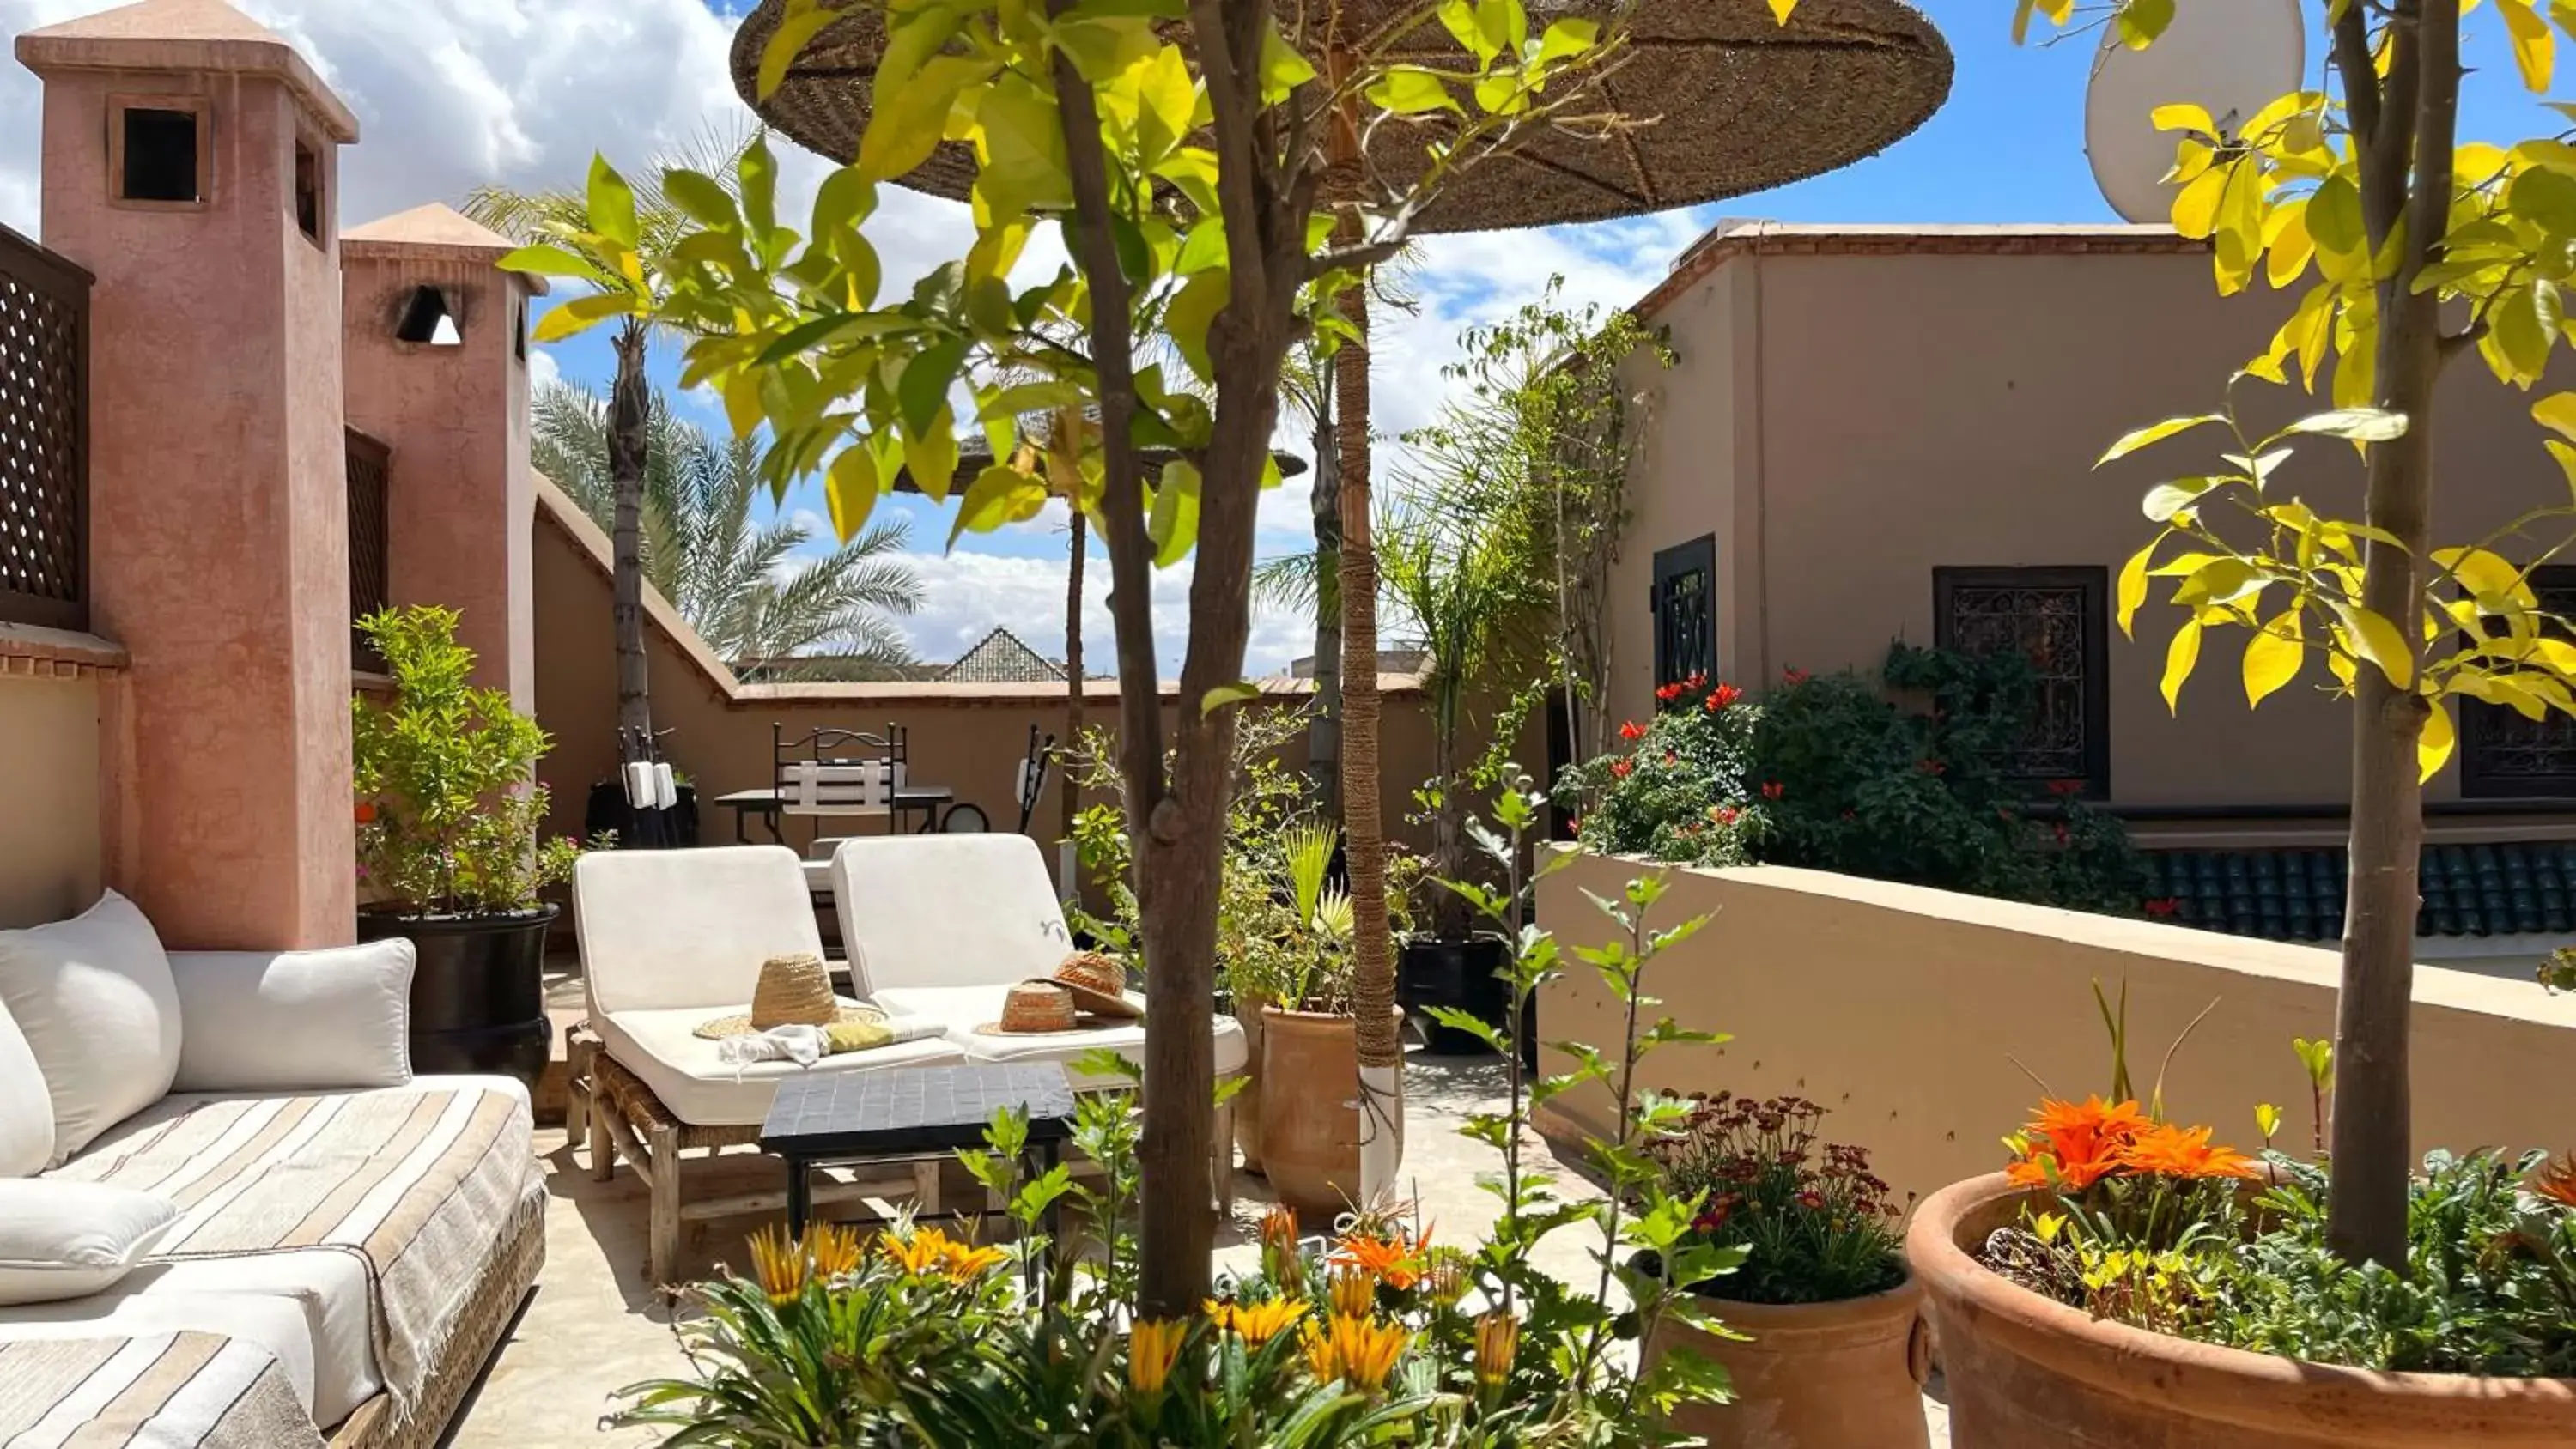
(927, 1250)
(1316, 1342)
(1498, 1338)
(1152, 1346)
(961, 1262)
(778, 1262)
(833, 1249)
(1220, 1313)
(1279, 1256)
(1367, 1349)
(1354, 1292)
(1261, 1322)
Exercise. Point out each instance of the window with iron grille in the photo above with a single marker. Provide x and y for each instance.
(44, 437)
(2505, 756)
(2055, 619)
(369, 572)
(1685, 610)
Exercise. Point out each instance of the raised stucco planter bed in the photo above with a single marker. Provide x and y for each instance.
(2027, 1373)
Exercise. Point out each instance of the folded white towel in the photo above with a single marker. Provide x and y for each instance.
(806, 1045)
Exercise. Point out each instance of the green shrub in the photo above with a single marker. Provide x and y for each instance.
(1831, 773)
(447, 800)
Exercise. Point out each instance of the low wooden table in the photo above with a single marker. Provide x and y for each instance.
(847, 1119)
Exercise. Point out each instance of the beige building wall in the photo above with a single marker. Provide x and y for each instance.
(1854, 408)
(49, 770)
(1918, 1018)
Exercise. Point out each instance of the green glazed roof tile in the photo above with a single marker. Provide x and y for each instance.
(2505, 888)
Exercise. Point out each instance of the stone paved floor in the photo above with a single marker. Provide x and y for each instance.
(595, 1325)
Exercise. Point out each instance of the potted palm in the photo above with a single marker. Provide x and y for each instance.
(1823, 1340)
(1461, 556)
(448, 851)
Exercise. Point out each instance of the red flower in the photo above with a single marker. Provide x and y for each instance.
(2061, 834)
(1722, 814)
(1811, 1200)
(1930, 766)
(1574, 825)
(366, 812)
(1667, 693)
(2164, 907)
(1633, 731)
(2064, 789)
(1793, 676)
(1620, 768)
(2004, 814)
(1851, 815)
(1723, 696)
(1773, 790)
(1671, 758)
(1696, 681)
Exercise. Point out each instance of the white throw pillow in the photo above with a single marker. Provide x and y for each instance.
(294, 1021)
(94, 997)
(26, 1108)
(70, 1239)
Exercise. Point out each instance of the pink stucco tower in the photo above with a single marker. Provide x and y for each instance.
(190, 163)
(435, 341)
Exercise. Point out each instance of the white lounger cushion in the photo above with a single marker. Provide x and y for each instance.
(26, 1106)
(967, 1008)
(674, 928)
(947, 910)
(70, 1239)
(294, 1021)
(665, 1053)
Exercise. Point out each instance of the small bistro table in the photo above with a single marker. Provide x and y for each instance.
(927, 801)
(846, 1119)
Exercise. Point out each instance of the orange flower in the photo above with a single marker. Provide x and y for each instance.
(2184, 1152)
(2074, 1145)
(366, 812)
(1390, 1259)
(2556, 1181)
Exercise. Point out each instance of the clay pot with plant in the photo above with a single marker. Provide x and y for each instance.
(1825, 1341)
(449, 849)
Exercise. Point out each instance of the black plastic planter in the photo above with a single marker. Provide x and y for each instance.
(1458, 974)
(478, 1001)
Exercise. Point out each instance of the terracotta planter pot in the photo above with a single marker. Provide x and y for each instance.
(1845, 1375)
(1247, 1103)
(2025, 1371)
(1310, 1117)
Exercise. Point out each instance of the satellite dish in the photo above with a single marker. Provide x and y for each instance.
(2233, 57)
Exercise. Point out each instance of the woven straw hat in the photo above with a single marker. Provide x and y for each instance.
(1098, 984)
(794, 990)
(1033, 1007)
(1724, 102)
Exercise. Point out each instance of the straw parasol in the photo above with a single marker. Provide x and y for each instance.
(1738, 104)
(1725, 101)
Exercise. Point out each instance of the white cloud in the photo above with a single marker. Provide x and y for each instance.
(542, 368)
(968, 595)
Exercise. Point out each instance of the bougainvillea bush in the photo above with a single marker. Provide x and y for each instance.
(1897, 778)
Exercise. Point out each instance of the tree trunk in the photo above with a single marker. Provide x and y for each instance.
(1071, 886)
(1381, 1041)
(629, 417)
(2406, 134)
(1324, 730)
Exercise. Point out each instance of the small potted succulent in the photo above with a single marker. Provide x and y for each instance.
(1834, 1355)
(449, 855)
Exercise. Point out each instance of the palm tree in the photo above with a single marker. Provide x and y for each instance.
(734, 580)
(651, 225)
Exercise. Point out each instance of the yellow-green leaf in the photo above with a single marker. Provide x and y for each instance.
(2133, 587)
(1574, 35)
(2287, 246)
(2556, 412)
(1174, 522)
(2195, 207)
(1191, 312)
(2433, 749)
(2142, 21)
(908, 124)
(1239, 692)
(2184, 116)
(1283, 67)
(2334, 222)
(2180, 656)
(1000, 495)
(1411, 90)
(2359, 425)
(850, 487)
(554, 261)
(2535, 50)
(931, 459)
(2374, 638)
(568, 318)
(2156, 433)
(2272, 656)
(610, 203)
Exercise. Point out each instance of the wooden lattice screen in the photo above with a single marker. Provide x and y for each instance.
(44, 437)
(369, 588)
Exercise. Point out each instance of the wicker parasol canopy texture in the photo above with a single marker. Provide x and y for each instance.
(1722, 101)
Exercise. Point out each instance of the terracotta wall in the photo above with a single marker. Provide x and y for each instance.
(49, 850)
(1846, 421)
(969, 737)
(1918, 1017)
